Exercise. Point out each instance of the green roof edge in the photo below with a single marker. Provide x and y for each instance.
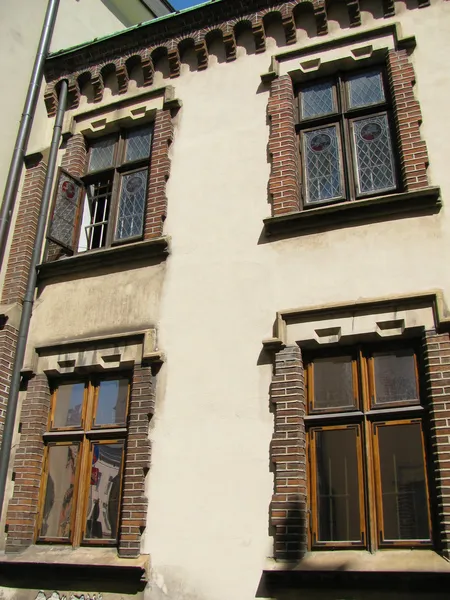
(72, 49)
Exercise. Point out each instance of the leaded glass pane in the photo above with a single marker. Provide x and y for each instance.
(62, 226)
(365, 89)
(101, 155)
(132, 205)
(374, 156)
(317, 100)
(138, 143)
(322, 163)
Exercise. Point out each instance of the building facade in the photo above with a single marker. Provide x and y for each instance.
(236, 381)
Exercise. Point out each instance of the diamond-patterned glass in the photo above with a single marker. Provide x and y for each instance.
(322, 162)
(365, 89)
(101, 155)
(64, 214)
(317, 100)
(138, 143)
(132, 205)
(374, 156)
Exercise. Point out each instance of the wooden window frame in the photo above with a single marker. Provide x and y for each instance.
(120, 167)
(367, 418)
(86, 435)
(343, 117)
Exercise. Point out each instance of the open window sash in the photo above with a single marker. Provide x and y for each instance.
(65, 213)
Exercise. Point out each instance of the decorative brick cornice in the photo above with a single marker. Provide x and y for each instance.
(144, 45)
(284, 182)
(288, 511)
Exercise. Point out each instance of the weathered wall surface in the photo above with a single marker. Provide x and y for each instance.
(214, 301)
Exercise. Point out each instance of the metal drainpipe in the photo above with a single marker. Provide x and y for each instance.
(11, 407)
(15, 169)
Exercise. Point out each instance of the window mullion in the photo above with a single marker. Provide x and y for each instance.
(80, 505)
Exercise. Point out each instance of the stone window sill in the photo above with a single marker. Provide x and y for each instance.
(39, 564)
(105, 257)
(333, 216)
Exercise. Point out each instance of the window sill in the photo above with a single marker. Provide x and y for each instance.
(39, 564)
(105, 257)
(334, 216)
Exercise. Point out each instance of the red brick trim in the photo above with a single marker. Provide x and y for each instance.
(413, 150)
(74, 162)
(23, 506)
(284, 182)
(138, 453)
(437, 368)
(288, 511)
(158, 176)
(24, 231)
(8, 342)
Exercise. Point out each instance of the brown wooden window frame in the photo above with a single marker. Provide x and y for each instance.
(86, 435)
(342, 118)
(367, 417)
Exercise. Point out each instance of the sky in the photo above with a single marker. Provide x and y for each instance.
(180, 4)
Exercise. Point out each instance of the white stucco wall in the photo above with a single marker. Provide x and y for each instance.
(210, 483)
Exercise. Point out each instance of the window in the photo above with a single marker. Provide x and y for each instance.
(114, 188)
(83, 462)
(345, 138)
(367, 465)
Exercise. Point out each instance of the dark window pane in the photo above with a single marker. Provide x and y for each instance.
(403, 484)
(333, 383)
(99, 198)
(68, 405)
(112, 402)
(317, 99)
(59, 493)
(337, 485)
(322, 162)
(104, 491)
(374, 156)
(132, 205)
(365, 89)
(101, 154)
(138, 143)
(395, 376)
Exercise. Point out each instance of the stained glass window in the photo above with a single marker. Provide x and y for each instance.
(317, 100)
(322, 162)
(132, 205)
(365, 89)
(374, 156)
(138, 143)
(62, 226)
(102, 153)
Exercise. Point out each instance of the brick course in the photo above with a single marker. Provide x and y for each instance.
(288, 511)
(284, 182)
(8, 342)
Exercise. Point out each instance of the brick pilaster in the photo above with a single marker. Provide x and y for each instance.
(23, 506)
(284, 182)
(74, 162)
(8, 342)
(24, 231)
(288, 453)
(413, 150)
(437, 369)
(138, 451)
(158, 176)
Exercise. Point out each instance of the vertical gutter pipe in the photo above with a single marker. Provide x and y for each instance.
(11, 407)
(29, 109)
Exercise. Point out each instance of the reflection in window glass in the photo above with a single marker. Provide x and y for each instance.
(59, 493)
(104, 491)
(333, 382)
(68, 405)
(112, 402)
(101, 154)
(395, 376)
(322, 162)
(403, 484)
(138, 143)
(365, 89)
(337, 485)
(317, 100)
